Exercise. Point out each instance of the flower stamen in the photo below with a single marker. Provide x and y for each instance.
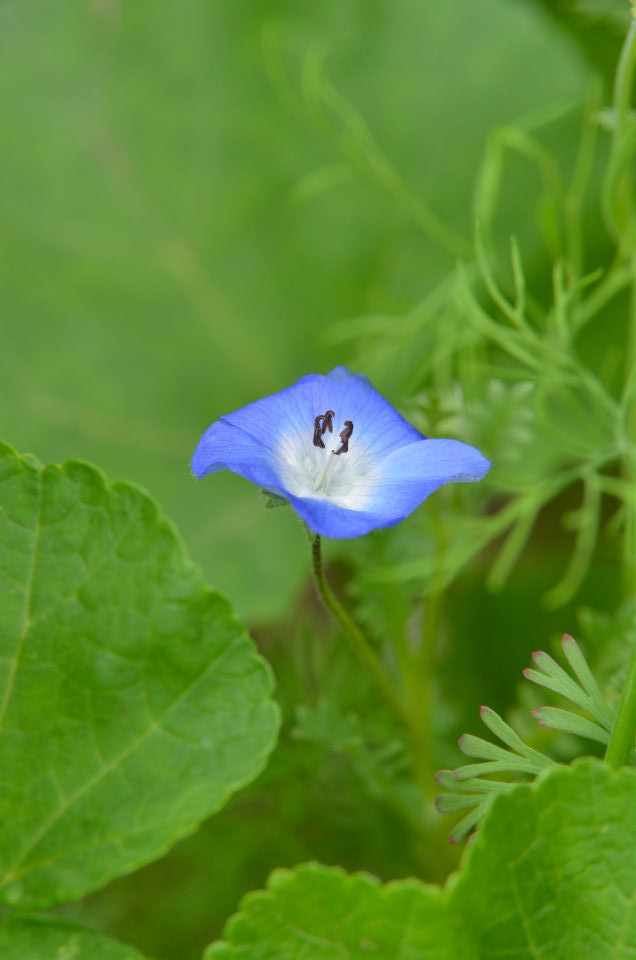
(322, 423)
(319, 429)
(345, 436)
(327, 422)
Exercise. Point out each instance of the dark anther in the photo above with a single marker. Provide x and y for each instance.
(322, 423)
(319, 430)
(327, 424)
(345, 436)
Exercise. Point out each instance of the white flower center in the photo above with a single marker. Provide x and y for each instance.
(308, 471)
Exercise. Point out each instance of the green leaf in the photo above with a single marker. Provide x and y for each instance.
(132, 702)
(552, 871)
(321, 913)
(50, 938)
(551, 874)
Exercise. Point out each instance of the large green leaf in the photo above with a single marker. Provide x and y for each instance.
(48, 938)
(550, 875)
(183, 218)
(321, 913)
(132, 702)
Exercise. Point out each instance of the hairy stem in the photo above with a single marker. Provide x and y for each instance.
(357, 640)
(623, 733)
(419, 681)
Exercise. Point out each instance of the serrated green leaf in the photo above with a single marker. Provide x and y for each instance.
(551, 874)
(320, 913)
(50, 938)
(552, 870)
(132, 702)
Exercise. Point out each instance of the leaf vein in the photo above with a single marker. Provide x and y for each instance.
(14, 872)
(28, 601)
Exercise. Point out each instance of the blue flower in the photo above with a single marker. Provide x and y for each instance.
(338, 452)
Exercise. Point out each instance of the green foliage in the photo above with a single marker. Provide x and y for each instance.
(46, 938)
(198, 201)
(383, 767)
(612, 638)
(133, 703)
(467, 790)
(190, 207)
(523, 372)
(541, 879)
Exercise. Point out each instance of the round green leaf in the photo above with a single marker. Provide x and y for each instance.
(132, 702)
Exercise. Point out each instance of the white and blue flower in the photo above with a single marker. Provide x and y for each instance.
(343, 457)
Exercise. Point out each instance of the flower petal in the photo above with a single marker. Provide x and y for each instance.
(247, 440)
(389, 469)
(377, 425)
(408, 475)
(226, 446)
(403, 480)
(289, 411)
(338, 523)
(289, 414)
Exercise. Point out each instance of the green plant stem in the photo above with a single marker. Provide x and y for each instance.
(629, 465)
(622, 92)
(621, 741)
(419, 680)
(621, 156)
(357, 640)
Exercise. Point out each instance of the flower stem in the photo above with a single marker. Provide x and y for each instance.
(623, 732)
(419, 679)
(621, 741)
(622, 93)
(357, 640)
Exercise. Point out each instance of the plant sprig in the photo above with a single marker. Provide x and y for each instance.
(515, 760)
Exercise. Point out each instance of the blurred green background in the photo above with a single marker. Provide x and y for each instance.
(181, 224)
(196, 200)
